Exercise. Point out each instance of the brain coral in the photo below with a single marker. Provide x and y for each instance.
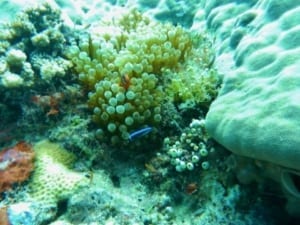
(126, 64)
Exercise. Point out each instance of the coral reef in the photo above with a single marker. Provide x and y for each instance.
(165, 201)
(53, 179)
(33, 81)
(75, 134)
(126, 64)
(257, 113)
(31, 43)
(145, 86)
(16, 164)
(265, 121)
(30, 213)
(191, 149)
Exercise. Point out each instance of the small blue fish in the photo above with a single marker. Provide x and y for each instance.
(139, 133)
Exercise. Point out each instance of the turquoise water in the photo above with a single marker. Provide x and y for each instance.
(149, 112)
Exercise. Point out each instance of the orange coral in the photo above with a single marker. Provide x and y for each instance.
(16, 163)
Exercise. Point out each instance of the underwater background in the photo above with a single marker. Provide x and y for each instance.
(162, 112)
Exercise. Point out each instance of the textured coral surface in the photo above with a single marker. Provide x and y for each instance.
(53, 178)
(257, 111)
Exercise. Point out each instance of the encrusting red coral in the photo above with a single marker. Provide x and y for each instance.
(16, 163)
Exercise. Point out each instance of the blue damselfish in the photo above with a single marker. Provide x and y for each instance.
(139, 133)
